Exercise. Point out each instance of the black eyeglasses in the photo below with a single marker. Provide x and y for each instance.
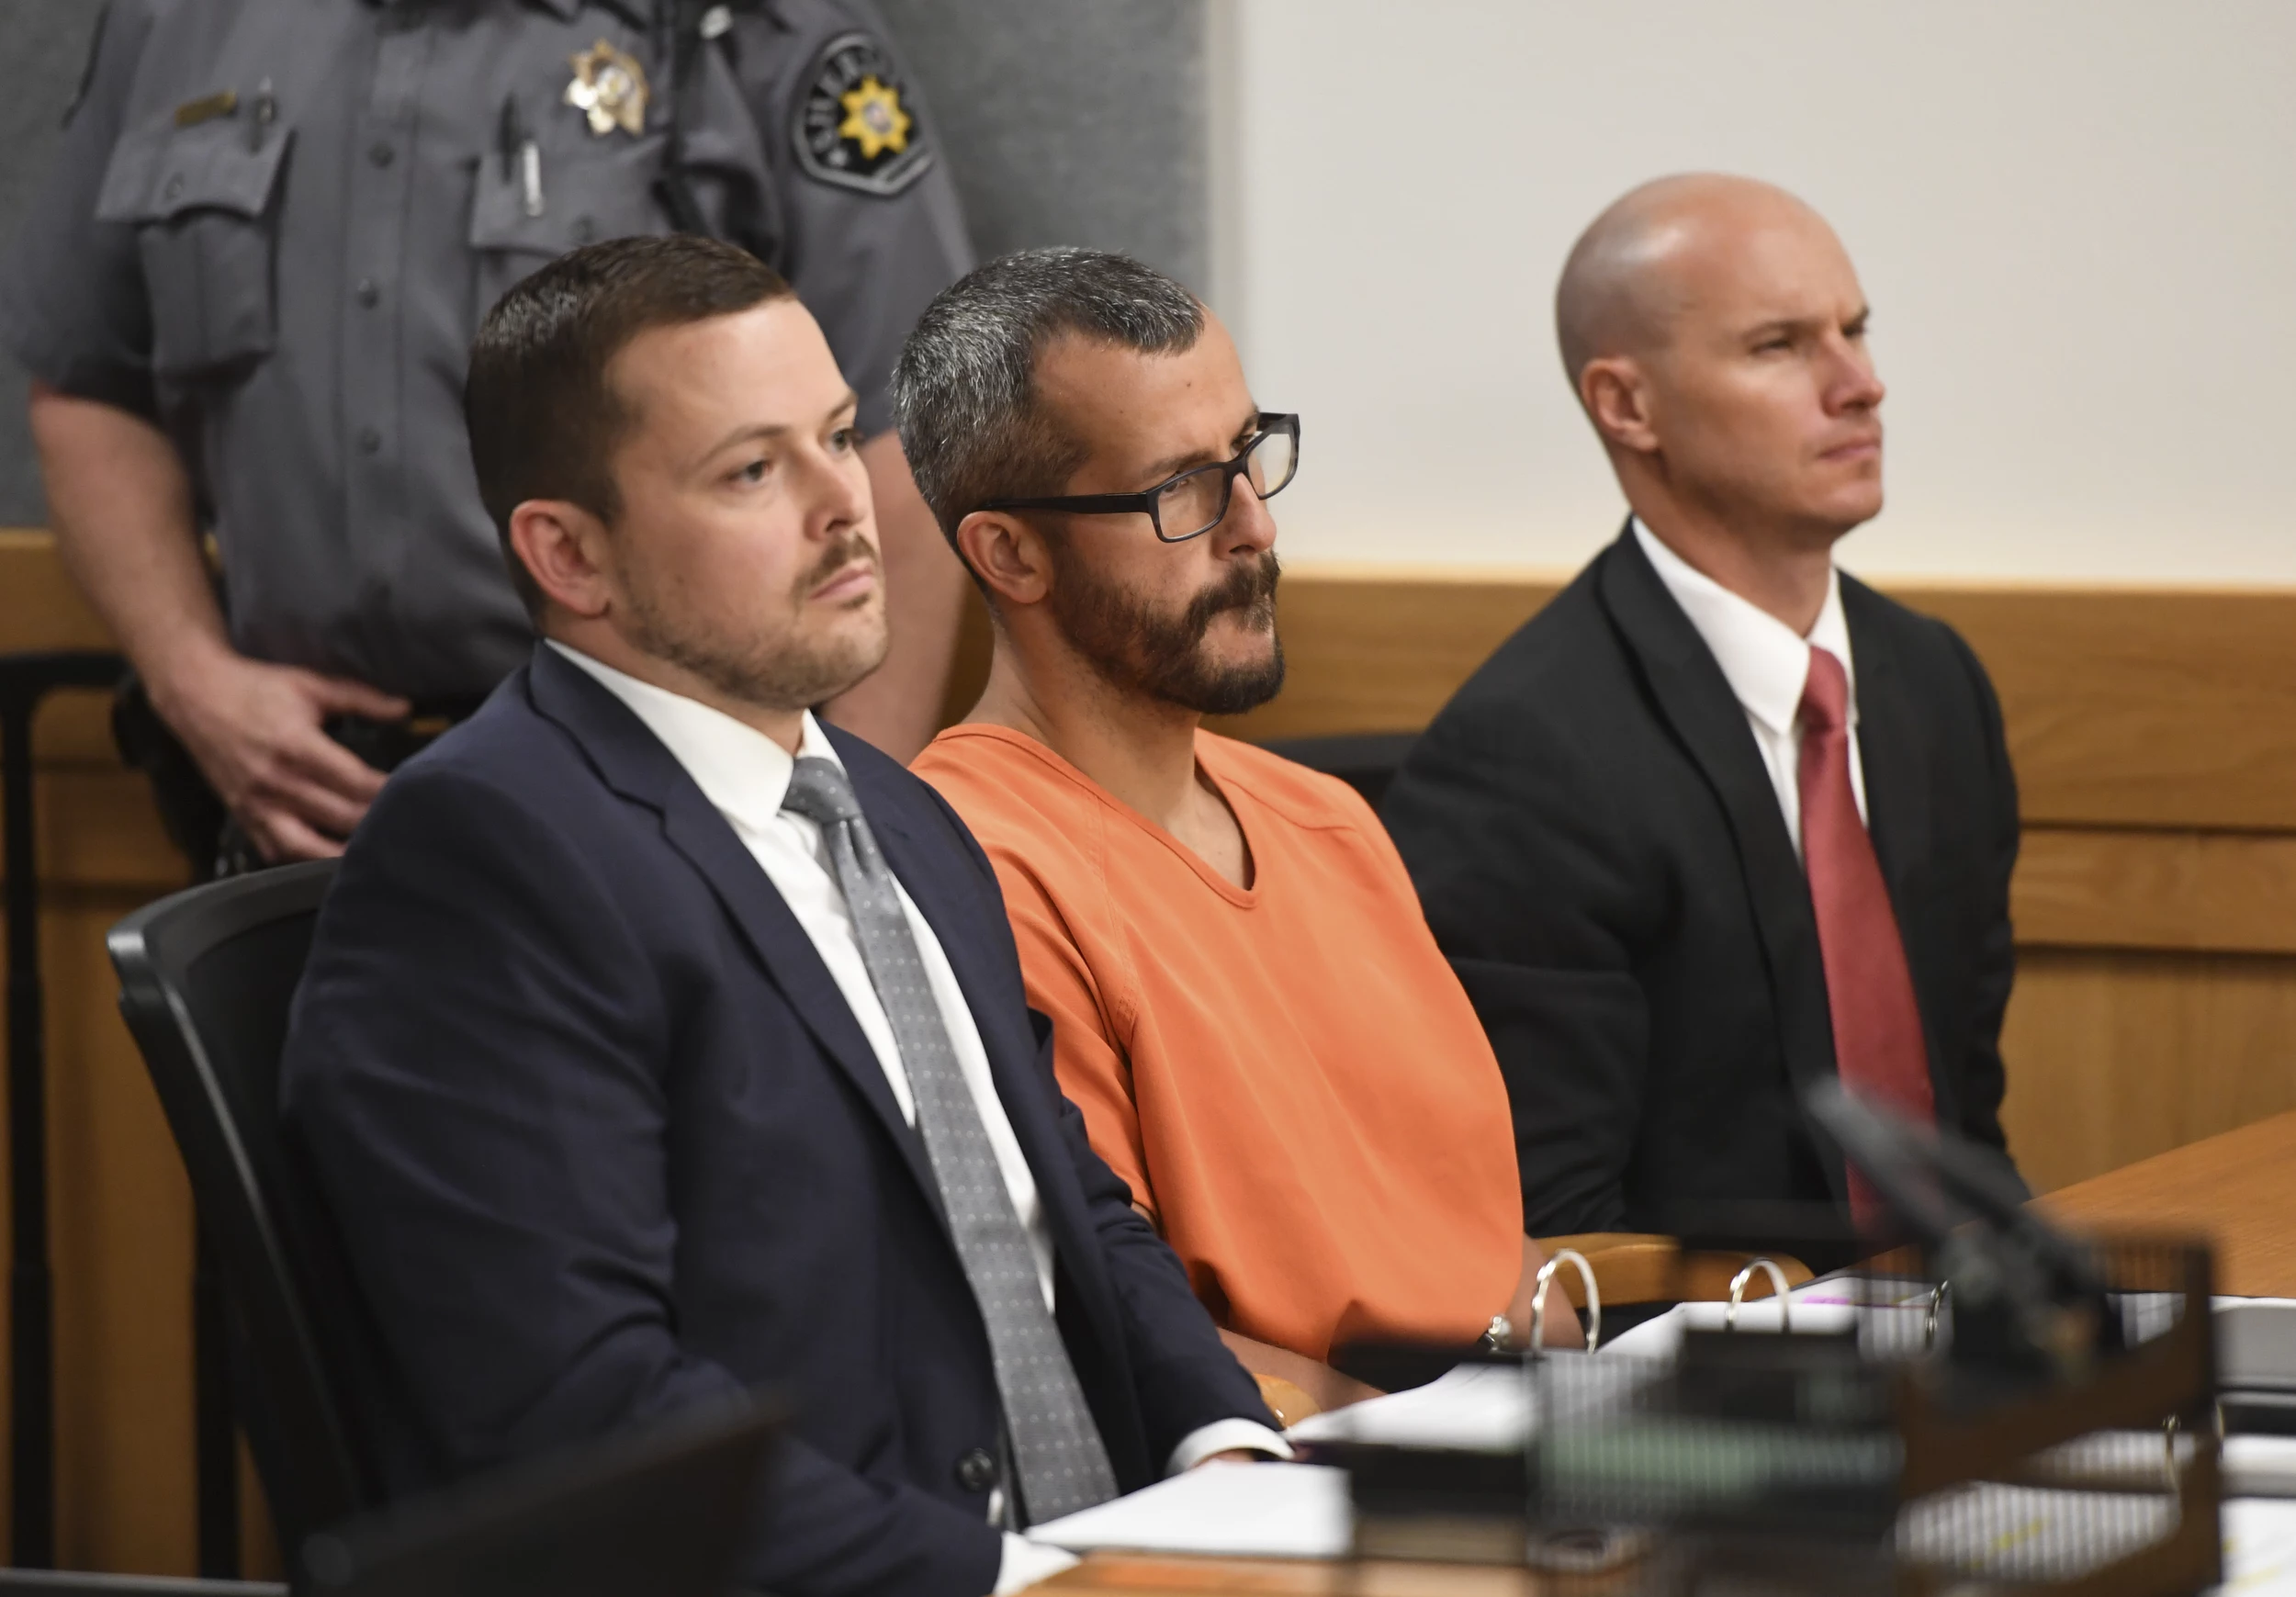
(1197, 500)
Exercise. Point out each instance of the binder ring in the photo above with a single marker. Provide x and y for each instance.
(1594, 1299)
(1777, 1288)
(1939, 1296)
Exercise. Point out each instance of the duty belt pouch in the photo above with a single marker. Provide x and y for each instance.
(189, 810)
(202, 199)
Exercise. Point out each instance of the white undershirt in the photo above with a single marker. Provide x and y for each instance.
(745, 774)
(1767, 667)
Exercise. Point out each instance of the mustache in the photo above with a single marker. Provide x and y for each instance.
(1249, 585)
(834, 558)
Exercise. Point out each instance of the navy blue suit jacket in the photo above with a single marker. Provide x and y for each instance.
(600, 1137)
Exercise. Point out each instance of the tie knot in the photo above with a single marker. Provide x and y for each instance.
(820, 791)
(1826, 695)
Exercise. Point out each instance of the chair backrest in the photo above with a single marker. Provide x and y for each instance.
(206, 978)
(1366, 761)
(664, 1510)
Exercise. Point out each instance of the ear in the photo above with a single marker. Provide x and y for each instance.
(1617, 399)
(1009, 554)
(562, 547)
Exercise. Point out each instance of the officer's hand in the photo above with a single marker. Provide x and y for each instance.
(255, 730)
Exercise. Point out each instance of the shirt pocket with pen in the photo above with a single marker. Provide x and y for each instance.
(541, 192)
(202, 195)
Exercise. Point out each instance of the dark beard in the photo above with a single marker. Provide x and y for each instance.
(774, 673)
(1140, 650)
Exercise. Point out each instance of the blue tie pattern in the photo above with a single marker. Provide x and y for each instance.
(1056, 1448)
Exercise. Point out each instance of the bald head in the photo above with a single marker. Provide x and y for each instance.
(1715, 333)
(1638, 266)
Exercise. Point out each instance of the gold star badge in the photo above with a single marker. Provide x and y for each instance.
(874, 119)
(608, 87)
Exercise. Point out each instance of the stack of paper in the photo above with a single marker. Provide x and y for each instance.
(1484, 1407)
(2256, 1342)
(2259, 1548)
(1240, 1511)
(2260, 1466)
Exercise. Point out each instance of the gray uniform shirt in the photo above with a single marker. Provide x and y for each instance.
(275, 223)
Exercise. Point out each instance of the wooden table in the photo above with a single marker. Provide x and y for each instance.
(1140, 1575)
(2237, 1191)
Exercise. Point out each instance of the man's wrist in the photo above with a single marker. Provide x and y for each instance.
(1224, 1437)
(172, 675)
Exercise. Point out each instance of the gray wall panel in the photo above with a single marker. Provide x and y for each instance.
(1071, 121)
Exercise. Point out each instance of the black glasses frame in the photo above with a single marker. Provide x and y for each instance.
(1271, 423)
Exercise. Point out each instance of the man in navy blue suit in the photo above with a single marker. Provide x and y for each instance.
(658, 1043)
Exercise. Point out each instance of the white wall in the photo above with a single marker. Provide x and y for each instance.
(2075, 220)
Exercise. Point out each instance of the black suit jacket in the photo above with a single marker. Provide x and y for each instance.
(601, 1137)
(1601, 855)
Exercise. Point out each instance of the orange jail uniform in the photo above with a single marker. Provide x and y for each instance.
(1289, 1076)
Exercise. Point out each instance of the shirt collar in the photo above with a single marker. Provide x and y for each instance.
(1765, 663)
(742, 773)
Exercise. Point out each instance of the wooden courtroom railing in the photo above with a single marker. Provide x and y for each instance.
(121, 1210)
(2156, 739)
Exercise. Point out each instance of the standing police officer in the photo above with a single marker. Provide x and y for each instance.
(246, 293)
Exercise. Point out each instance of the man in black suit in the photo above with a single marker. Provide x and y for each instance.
(1720, 822)
(659, 1042)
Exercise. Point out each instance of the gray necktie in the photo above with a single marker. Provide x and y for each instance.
(1057, 1451)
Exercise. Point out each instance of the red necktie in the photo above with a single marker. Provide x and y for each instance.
(1877, 1022)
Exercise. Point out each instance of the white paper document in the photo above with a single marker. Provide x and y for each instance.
(1898, 1326)
(1485, 1408)
(2256, 1342)
(1240, 1511)
(2260, 1466)
(2259, 1548)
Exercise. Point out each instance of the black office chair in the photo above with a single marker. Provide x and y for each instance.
(205, 980)
(1366, 761)
(662, 1508)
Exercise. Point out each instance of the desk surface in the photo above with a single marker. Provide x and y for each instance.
(1139, 1575)
(2238, 1190)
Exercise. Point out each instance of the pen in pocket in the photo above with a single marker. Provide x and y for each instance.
(521, 157)
(266, 113)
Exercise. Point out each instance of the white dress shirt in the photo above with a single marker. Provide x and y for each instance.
(745, 774)
(1767, 667)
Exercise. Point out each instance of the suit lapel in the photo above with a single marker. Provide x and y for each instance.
(1896, 798)
(1695, 699)
(633, 762)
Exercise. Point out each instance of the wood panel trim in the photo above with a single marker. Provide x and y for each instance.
(2187, 892)
(2153, 729)
(40, 607)
(2171, 708)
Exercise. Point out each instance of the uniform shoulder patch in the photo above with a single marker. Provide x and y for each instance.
(854, 124)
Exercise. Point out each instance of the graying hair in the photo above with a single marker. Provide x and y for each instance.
(972, 422)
